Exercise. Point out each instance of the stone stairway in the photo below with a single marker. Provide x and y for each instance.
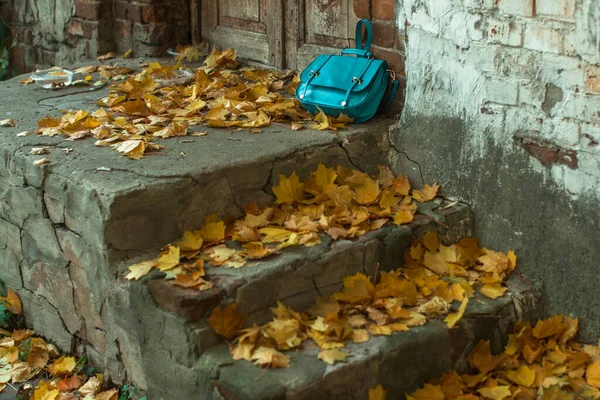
(70, 228)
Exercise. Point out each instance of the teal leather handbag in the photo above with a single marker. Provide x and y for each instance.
(353, 83)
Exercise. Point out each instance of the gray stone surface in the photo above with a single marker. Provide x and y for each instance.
(70, 231)
(401, 362)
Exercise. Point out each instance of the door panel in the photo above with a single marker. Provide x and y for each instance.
(282, 33)
(253, 27)
(325, 26)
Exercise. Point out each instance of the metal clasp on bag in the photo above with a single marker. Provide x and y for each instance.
(392, 74)
(313, 72)
(355, 79)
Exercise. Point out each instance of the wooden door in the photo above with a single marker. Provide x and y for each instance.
(281, 33)
(316, 27)
(255, 28)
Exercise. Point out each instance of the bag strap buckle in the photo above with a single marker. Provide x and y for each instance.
(392, 74)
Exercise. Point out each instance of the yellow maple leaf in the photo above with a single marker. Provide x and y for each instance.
(523, 376)
(435, 263)
(431, 241)
(268, 357)
(368, 192)
(12, 302)
(45, 391)
(284, 332)
(92, 386)
(360, 335)
(357, 288)
(168, 259)
(496, 392)
(227, 321)
(481, 357)
(549, 327)
(453, 318)
(377, 330)
(322, 122)
(213, 229)
(493, 290)
(107, 395)
(426, 194)
(63, 366)
(318, 180)
(592, 374)
(290, 190)
(401, 185)
(133, 149)
(428, 392)
(256, 250)
(140, 269)
(275, 234)
(377, 393)
(405, 212)
(332, 356)
(191, 240)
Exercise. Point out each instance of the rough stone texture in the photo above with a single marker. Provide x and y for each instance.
(297, 276)
(401, 362)
(503, 113)
(69, 231)
(62, 32)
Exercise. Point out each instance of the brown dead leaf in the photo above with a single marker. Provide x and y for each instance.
(227, 321)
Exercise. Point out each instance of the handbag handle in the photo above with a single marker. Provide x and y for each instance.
(369, 41)
(356, 52)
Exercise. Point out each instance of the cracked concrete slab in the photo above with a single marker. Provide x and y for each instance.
(90, 224)
(415, 356)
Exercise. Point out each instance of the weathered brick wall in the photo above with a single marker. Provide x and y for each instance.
(388, 41)
(503, 107)
(65, 31)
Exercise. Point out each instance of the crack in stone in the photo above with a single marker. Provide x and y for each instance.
(315, 285)
(391, 142)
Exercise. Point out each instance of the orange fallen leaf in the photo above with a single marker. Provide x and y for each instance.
(227, 321)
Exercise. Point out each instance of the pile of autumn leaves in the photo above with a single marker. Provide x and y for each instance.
(340, 203)
(537, 363)
(162, 102)
(24, 357)
(399, 300)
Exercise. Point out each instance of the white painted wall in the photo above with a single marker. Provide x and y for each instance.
(491, 62)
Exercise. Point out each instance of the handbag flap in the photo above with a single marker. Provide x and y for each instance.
(339, 71)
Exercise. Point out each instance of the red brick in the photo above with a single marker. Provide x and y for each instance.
(83, 28)
(362, 9)
(153, 13)
(128, 10)
(384, 9)
(87, 9)
(123, 30)
(18, 54)
(134, 12)
(384, 33)
(592, 79)
(546, 155)
(120, 10)
(393, 58)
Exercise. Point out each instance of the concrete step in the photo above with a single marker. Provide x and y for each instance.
(70, 228)
(298, 276)
(401, 362)
(172, 320)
